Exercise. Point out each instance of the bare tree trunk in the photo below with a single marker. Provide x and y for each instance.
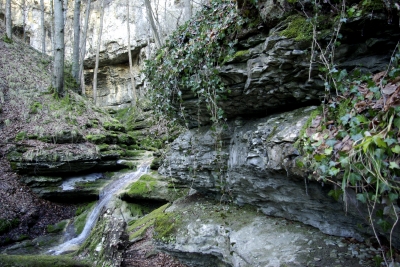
(152, 24)
(77, 33)
(133, 101)
(42, 26)
(83, 47)
(52, 29)
(188, 8)
(8, 19)
(23, 19)
(58, 79)
(96, 68)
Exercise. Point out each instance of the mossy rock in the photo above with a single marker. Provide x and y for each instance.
(153, 188)
(114, 126)
(155, 164)
(165, 226)
(126, 139)
(298, 28)
(111, 138)
(112, 154)
(58, 227)
(40, 261)
(136, 229)
(96, 138)
(102, 147)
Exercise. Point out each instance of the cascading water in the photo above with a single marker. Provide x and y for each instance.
(105, 196)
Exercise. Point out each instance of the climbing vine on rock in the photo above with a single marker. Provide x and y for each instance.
(354, 142)
(187, 65)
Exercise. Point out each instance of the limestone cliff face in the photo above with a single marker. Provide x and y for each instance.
(114, 86)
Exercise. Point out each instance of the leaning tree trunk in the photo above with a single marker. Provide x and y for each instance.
(83, 48)
(42, 27)
(152, 23)
(96, 68)
(8, 20)
(58, 75)
(133, 101)
(77, 32)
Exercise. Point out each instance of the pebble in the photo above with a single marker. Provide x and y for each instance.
(317, 259)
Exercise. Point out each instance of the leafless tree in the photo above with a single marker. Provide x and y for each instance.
(133, 101)
(152, 23)
(42, 26)
(8, 19)
(58, 72)
(83, 47)
(77, 33)
(96, 68)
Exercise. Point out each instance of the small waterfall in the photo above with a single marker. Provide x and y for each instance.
(105, 196)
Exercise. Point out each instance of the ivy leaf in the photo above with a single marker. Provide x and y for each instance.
(378, 141)
(361, 197)
(396, 122)
(331, 142)
(393, 165)
(393, 196)
(396, 149)
(356, 137)
(319, 157)
(336, 193)
(328, 151)
(345, 119)
(385, 225)
(353, 178)
(390, 141)
(333, 171)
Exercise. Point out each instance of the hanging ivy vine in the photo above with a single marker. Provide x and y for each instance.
(188, 63)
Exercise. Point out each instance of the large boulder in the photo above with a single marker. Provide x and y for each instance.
(255, 162)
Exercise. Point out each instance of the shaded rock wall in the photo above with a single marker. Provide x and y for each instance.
(257, 165)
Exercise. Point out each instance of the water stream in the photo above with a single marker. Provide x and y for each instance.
(104, 198)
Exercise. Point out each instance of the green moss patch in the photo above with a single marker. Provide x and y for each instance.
(81, 215)
(136, 229)
(58, 227)
(96, 138)
(40, 261)
(298, 28)
(114, 126)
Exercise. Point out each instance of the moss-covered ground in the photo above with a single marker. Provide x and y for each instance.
(40, 261)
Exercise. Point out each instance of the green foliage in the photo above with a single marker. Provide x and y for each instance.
(35, 107)
(6, 225)
(20, 136)
(190, 59)
(114, 126)
(354, 143)
(6, 39)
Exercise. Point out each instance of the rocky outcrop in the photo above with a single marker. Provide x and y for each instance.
(213, 234)
(272, 73)
(257, 164)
